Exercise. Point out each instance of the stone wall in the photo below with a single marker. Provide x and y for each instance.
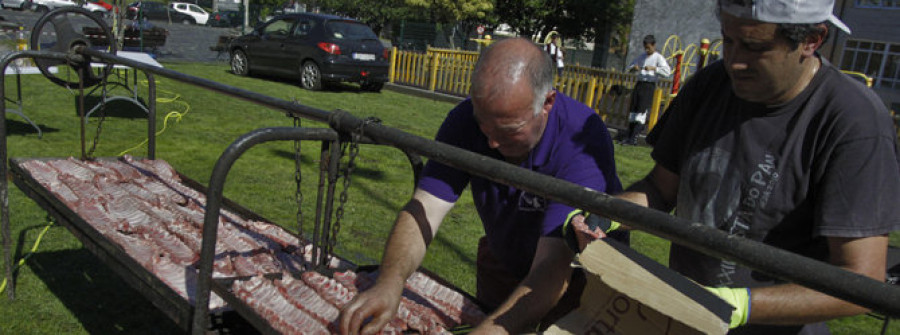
(691, 20)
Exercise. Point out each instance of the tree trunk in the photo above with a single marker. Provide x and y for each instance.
(601, 46)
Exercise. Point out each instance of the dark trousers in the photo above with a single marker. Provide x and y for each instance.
(494, 283)
(641, 102)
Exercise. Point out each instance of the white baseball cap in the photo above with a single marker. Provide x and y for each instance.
(784, 11)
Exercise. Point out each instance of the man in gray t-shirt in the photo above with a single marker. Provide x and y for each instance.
(775, 144)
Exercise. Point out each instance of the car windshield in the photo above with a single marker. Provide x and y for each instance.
(350, 30)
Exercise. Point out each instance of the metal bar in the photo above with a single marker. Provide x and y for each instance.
(322, 245)
(214, 202)
(308, 112)
(782, 264)
(320, 194)
(151, 116)
(786, 265)
(4, 168)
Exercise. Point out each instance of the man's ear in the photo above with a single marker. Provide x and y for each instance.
(812, 43)
(549, 100)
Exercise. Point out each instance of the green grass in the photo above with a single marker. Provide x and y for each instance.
(64, 289)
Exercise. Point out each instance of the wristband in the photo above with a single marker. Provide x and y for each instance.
(739, 298)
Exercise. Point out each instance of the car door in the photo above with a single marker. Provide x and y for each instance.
(301, 45)
(268, 51)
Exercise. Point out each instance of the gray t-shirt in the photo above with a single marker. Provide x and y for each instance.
(823, 164)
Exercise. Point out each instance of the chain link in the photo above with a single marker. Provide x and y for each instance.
(103, 96)
(348, 171)
(298, 179)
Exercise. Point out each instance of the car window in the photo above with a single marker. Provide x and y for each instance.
(350, 30)
(304, 27)
(278, 28)
(196, 9)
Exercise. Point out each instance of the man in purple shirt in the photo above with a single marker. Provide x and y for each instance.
(514, 115)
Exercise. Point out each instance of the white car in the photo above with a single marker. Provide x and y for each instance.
(199, 14)
(43, 6)
(95, 8)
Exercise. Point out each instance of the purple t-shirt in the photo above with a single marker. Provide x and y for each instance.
(575, 147)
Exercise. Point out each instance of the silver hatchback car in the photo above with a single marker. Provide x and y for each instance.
(15, 4)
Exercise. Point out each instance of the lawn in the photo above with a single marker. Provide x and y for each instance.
(64, 289)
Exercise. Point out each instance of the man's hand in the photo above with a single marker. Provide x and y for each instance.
(650, 68)
(581, 228)
(371, 310)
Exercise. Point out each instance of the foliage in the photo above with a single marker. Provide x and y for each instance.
(377, 14)
(446, 11)
(571, 18)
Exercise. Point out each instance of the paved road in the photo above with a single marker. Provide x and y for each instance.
(185, 42)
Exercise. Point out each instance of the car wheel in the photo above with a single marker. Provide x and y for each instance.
(187, 21)
(372, 86)
(240, 65)
(311, 76)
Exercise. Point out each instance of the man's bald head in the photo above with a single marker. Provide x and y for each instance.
(510, 62)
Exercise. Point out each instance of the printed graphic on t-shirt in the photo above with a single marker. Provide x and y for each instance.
(531, 202)
(712, 192)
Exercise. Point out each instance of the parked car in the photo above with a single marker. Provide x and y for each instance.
(156, 11)
(199, 14)
(105, 5)
(226, 18)
(43, 6)
(95, 8)
(315, 48)
(15, 4)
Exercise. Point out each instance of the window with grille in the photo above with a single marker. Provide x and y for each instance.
(879, 60)
(889, 4)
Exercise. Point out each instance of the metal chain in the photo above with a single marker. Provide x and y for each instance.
(103, 96)
(298, 179)
(348, 171)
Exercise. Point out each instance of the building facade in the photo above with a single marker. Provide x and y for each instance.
(872, 49)
(874, 46)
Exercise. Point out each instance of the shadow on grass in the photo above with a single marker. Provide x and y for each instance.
(102, 302)
(327, 87)
(15, 127)
(105, 304)
(359, 171)
(116, 106)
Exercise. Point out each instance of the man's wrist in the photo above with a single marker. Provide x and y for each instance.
(739, 298)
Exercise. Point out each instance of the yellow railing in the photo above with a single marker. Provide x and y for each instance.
(605, 91)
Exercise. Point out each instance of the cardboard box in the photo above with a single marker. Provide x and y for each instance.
(628, 293)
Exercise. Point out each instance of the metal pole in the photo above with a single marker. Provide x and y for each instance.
(785, 265)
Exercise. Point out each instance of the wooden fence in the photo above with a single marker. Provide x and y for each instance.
(608, 92)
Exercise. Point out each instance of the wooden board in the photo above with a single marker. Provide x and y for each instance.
(628, 293)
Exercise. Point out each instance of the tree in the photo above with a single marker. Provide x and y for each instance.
(377, 14)
(590, 20)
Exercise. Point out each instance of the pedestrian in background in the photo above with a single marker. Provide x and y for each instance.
(651, 65)
(554, 48)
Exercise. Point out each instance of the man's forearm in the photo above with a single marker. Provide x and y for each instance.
(404, 250)
(538, 293)
(792, 304)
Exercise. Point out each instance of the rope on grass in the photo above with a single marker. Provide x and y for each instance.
(34, 248)
(172, 114)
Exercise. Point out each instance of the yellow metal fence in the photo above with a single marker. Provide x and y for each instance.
(608, 92)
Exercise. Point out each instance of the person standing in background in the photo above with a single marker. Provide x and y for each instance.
(556, 53)
(651, 65)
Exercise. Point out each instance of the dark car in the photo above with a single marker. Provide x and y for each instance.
(156, 11)
(315, 48)
(226, 18)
